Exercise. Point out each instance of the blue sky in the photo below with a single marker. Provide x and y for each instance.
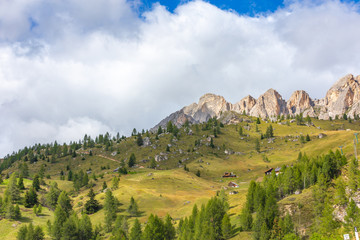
(70, 68)
(249, 7)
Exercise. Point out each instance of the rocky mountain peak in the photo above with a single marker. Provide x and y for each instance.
(245, 104)
(300, 102)
(269, 104)
(342, 98)
(342, 95)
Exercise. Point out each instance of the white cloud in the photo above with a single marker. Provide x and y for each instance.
(73, 67)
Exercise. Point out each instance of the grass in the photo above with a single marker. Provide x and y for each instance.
(170, 189)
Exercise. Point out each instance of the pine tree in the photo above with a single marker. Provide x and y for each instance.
(69, 229)
(169, 229)
(340, 194)
(21, 183)
(65, 203)
(91, 205)
(152, 163)
(110, 207)
(30, 233)
(241, 131)
(120, 228)
(135, 233)
(17, 212)
(60, 217)
(12, 189)
(36, 182)
(133, 208)
(159, 130)
(31, 198)
(246, 219)
(154, 229)
(115, 183)
(287, 225)
(132, 160)
(104, 186)
(353, 175)
(226, 228)
(308, 138)
(352, 213)
(70, 175)
(53, 195)
(37, 209)
(139, 140)
(258, 121)
(85, 228)
(22, 233)
(257, 145)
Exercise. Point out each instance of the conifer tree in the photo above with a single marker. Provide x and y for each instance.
(110, 207)
(169, 229)
(85, 228)
(53, 195)
(246, 219)
(132, 160)
(353, 175)
(115, 183)
(241, 131)
(133, 208)
(154, 229)
(352, 213)
(17, 212)
(212, 143)
(29, 232)
(12, 189)
(65, 203)
(91, 205)
(36, 182)
(226, 228)
(152, 163)
(31, 198)
(21, 183)
(159, 130)
(257, 145)
(139, 140)
(136, 233)
(340, 193)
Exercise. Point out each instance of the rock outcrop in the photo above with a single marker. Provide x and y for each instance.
(342, 98)
(245, 104)
(342, 95)
(210, 105)
(270, 104)
(300, 102)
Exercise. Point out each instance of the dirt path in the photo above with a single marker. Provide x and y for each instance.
(111, 159)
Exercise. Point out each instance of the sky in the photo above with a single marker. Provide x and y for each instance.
(70, 68)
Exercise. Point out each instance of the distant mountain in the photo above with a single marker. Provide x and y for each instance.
(342, 98)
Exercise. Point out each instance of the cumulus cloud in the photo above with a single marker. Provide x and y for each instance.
(73, 67)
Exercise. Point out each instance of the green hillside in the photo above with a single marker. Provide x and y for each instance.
(193, 160)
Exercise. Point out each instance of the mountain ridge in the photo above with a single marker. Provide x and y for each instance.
(342, 98)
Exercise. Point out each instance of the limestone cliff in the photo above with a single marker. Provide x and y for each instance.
(342, 97)
(245, 104)
(300, 102)
(270, 104)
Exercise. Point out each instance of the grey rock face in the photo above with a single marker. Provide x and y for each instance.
(300, 102)
(270, 104)
(245, 104)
